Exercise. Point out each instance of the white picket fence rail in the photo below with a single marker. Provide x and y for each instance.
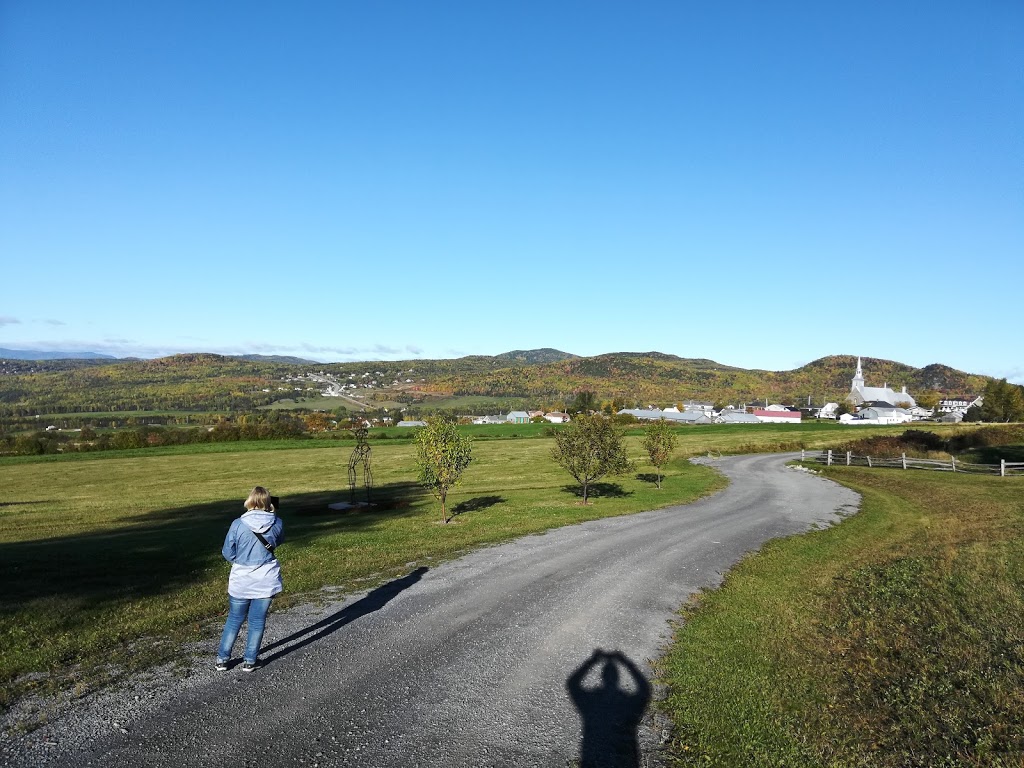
(830, 458)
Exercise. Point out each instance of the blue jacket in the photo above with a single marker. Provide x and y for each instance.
(255, 573)
(241, 547)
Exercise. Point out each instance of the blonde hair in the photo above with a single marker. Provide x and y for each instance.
(259, 498)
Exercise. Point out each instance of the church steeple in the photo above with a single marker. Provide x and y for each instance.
(858, 378)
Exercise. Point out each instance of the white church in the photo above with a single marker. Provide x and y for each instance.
(879, 405)
(860, 393)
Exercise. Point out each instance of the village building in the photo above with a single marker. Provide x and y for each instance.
(781, 416)
(496, 419)
(828, 411)
(958, 404)
(737, 416)
(702, 406)
(879, 413)
(860, 393)
(669, 414)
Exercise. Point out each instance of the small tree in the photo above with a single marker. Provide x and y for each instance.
(585, 402)
(659, 442)
(442, 455)
(590, 448)
(1002, 401)
(317, 421)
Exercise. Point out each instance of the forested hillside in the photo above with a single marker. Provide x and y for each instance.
(215, 383)
(657, 378)
(182, 382)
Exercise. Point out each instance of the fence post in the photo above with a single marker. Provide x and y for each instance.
(954, 462)
(904, 461)
(848, 457)
(828, 462)
(1002, 467)
(801, 454)
(869, 462)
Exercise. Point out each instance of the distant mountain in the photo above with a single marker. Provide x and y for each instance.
(654, 377)
(277, 359)
(535, 356)
(209, 382)
(37, 354)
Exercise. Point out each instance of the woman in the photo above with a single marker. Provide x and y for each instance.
(255, 575)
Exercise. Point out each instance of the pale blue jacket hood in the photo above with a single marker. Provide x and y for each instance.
(241, 547)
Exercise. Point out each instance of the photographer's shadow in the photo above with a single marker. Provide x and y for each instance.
(374, 601)
(610, 712)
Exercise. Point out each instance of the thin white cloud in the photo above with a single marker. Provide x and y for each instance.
(1013, 375)
(8, 320)
(54, 322)
(323, 352)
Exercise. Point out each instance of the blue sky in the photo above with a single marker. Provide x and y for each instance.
(758, 183)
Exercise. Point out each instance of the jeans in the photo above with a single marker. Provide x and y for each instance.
(238, 609)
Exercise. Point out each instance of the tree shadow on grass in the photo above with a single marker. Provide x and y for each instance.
(387, 498)
(374, 601)
(647, 477)
(599, 491)
(993, 453)
(475, 505)
(159, 552)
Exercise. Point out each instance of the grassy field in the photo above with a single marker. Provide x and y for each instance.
(110, 561)
(822, 650)
(893, 639)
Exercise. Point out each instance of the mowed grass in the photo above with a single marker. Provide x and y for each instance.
(110, 562)
(893, 639)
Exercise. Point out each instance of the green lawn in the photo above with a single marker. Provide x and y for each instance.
(893, 639)
(100, 551)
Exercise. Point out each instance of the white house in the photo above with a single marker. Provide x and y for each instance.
(828, 411)
(876, 414)
(490, 420)
(957, 404)
(557, 417)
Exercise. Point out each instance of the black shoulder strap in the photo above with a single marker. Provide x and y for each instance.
(263, 541)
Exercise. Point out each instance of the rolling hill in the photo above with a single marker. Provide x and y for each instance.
(545, 377)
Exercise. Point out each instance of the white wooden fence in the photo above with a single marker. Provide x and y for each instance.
(1004, 469)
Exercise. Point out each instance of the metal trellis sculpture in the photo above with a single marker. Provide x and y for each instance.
(360, 456)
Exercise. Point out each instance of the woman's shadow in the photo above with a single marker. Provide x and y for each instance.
(374, 601)
(611, 713)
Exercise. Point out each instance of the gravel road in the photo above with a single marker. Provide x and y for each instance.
(532, 653)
